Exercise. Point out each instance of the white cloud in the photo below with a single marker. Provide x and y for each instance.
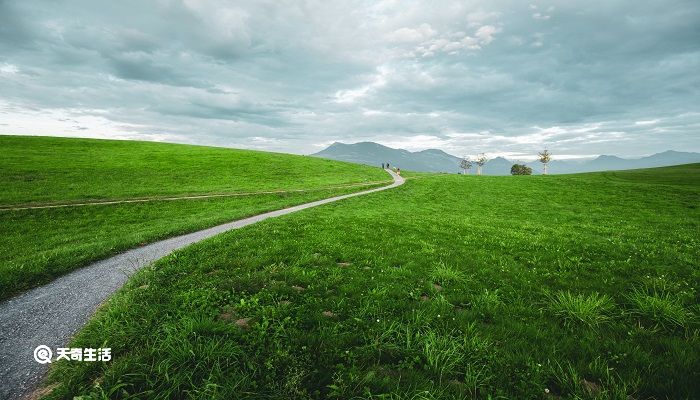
(485, 33)
(415, 143)
(71, 123)
(8, 69)
(376, 81)
(453, 42)
(541, 15)
(412, 35)
(647, 122)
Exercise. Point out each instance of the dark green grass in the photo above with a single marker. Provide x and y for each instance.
(580, 286)
(39, 244)
(50, 170)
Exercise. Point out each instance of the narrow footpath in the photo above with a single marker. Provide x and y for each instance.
(51, 314)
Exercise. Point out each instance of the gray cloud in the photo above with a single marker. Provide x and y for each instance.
(503, 77)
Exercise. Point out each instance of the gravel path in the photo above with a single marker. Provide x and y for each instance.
(51, 314)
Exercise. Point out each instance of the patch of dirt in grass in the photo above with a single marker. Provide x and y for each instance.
(298, 288)
(329, 314)
(344, 264)
(591, 387)
(437, 287)
(227, 316)
(243, 323)
(42, 391)
(424, 297)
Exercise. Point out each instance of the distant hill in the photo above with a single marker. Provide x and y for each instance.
(375, 154)
(434, 160)
(608, 162)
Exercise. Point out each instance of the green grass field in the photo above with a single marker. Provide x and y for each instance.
(57, 170)
(40, 244)
(579, 286)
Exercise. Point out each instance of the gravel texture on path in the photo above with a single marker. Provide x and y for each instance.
(51, 314)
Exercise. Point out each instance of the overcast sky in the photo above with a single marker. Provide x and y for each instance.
(503, 77)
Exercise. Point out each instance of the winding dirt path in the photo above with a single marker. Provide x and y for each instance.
(51, 314)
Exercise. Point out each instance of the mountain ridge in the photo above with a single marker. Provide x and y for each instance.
(437, 160)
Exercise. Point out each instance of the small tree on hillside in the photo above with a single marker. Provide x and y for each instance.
(480, 161)
(545, 157)
(465, 164)
(520, 169)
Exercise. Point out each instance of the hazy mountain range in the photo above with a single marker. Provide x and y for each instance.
(433, 160)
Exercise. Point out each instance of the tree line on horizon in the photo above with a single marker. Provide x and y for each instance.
(517, 169)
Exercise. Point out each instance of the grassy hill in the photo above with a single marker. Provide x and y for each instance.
(48, 169)
(40, 244)
(578, 286)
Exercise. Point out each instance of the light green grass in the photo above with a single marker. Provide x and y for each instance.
(591, 310)
(445, 275)
(49, 170)
(505, 244)
(39, 244)
(661, 306)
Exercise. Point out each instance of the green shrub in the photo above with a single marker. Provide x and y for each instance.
(520, 169)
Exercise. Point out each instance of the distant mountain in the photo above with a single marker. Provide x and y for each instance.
(608, 163)
(669, 157)
(434, 160)
(496, 166)
(371, 153)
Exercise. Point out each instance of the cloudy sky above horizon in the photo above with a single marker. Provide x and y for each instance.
(504, 77)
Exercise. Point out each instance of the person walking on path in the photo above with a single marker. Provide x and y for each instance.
(382, 165)
(398, 171)
(387, 165)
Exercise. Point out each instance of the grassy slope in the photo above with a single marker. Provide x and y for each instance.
(47, 169)
(41, 244)
(582, 285)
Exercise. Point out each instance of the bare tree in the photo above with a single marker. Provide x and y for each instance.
(465, 164)
(480, 161)
(545, 157)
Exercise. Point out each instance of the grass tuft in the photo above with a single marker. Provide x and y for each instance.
(487, 304)
(444, 274)
(592, 310)
(443, 354)
(661, 308)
